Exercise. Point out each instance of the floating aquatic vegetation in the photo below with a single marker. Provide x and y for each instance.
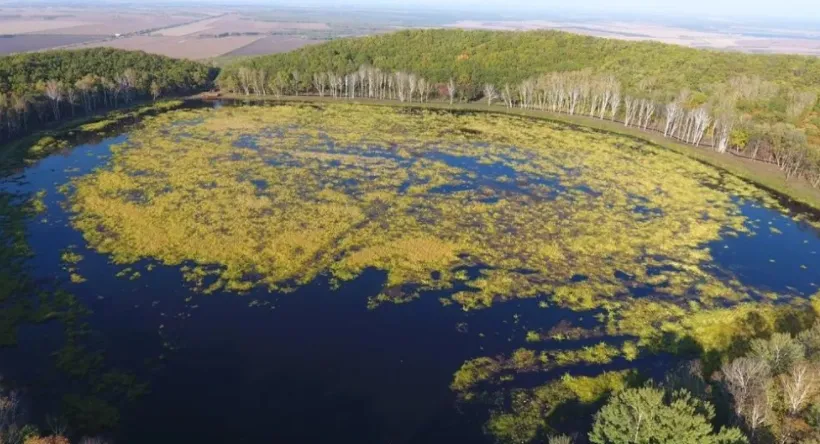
(482, 208)
(276, 196)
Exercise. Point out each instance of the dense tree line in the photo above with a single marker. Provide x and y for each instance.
(38, 88)
(762, 105)
(768, 393)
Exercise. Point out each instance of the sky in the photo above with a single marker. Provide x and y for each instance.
(728, 8)
(801, 10)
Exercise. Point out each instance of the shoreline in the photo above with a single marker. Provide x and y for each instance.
(762, 174)
(765, 175)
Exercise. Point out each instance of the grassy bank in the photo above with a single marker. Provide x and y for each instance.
(762, 174)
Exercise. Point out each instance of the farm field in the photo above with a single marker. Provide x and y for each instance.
(187, 47)
(272, 44)
(177, 33)
(34, 42)
(236, 23)
(79, 21)
(740, 39)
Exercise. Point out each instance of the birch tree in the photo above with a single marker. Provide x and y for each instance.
(799, 386)
(610, 87)
(156, 90)
(673, 113)
(244, 76)
(615, 103)
(490, 93)
(71, 98)
(700, 121)
(54, 91)
(631, 108)
(412, 84)
(744, 377)
(506, 95)
(320, 83)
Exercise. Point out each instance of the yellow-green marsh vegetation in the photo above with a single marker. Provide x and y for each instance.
(276, 196)
(481, 208)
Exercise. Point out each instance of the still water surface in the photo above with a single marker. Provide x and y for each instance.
(310, 366)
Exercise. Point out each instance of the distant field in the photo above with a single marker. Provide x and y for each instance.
(183, 31)
(234, 23)
(193, 33)
(23, 26)
(85, 22)
(35, 42)
(180, 47)
(110, 24)
(745, 40)
(192, 28)
(271, 45)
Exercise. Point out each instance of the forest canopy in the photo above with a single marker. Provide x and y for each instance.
(37, 88)
(763, 106)
(479, 57)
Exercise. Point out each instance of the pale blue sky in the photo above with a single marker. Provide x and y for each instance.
(709, 8)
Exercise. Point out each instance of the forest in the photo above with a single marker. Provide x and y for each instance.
(762, 107)
(43, 87)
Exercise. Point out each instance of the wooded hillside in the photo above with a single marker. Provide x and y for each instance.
(37, 88)
(473, 58)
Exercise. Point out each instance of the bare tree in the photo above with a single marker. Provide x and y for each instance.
(451, 90)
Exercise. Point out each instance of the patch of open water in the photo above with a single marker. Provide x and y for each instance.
(314, 365)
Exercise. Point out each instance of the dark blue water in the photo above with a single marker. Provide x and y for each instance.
(311, 366)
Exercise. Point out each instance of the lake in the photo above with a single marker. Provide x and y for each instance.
(367, 274)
